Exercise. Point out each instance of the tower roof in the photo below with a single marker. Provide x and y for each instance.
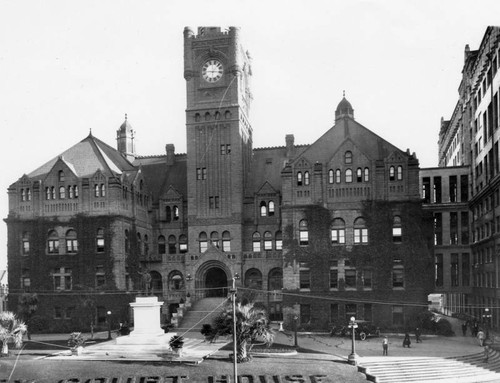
(344, 109)
(125, 127)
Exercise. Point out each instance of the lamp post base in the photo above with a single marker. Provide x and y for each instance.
(353, 359)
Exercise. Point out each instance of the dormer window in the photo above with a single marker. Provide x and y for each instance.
(348, 157)
(61, 176)
(306, 178)
(299, 178)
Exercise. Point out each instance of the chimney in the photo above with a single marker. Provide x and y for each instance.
(290, 152)
(170, 148)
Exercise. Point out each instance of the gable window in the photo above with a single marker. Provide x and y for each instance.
(303, 233)
(330, 176)
(62, 192)
(400, 173)
(172, 244)
(176, 213)
(306, 178)
(26, 243)
(338, 176)
(103, 190)
(71, 194)
(271, 208)
(47, 193)
(359, 175)
(348, 157)
(53, 243)
(100, 241)
(367, 175)
(348, 175)
(360, 231)
(263, 209)
(338, 231)
(53, 192)
(278, 241)
(256, 242)
(23, 195)
(183, 246)
(268, 241)
(299, 178)
(62, 278)
(71, 242)
(162, 248)
(61, 176)
(391, 173)
(96, 190)
(203, 241)
(397, 230)
(226, 241)
(75, 190)
(168, 213)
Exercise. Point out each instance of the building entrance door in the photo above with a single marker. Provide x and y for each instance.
(216, 282)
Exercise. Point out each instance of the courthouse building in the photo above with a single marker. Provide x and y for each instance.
(317, 232)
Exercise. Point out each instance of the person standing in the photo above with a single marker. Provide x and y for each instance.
(385, 345)
(464, 328)
(480, 337)
(407, 341)
(418, 334)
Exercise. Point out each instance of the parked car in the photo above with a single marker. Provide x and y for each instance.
(364, 330)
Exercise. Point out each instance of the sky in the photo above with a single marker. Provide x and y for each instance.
(71, 67)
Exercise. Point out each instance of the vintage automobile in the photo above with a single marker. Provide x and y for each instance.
(364, 330)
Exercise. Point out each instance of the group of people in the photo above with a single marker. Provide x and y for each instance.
(475, 331)
(406, 341)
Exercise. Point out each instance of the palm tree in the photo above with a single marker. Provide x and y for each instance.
(11, 330)
(252, 325)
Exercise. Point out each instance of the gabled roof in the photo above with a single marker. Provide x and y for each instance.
(87, 157)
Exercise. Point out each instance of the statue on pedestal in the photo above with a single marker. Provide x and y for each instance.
(145, 281)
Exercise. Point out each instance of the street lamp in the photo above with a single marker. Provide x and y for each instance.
(486, 319)
(108, 319)
(235, 361)
(353, 358)
(189, 278)
(295, 319)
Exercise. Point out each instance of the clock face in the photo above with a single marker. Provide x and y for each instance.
(212, 71)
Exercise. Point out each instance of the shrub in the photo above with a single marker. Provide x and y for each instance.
(76, 339)
(176, 341)
(206, 329)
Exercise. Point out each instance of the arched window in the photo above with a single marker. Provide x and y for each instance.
(214, 239)
(202, 239)
(207, 116)
(197, 117)
(268, 240)
(26, 243)
(61, 176)
(23, 195)
(278, 241)
(391, 173)
(348, 157)
(100, 240)
(359, 175)
(299, 178)
(183, 244)
(256, 242)
(217, 115)
(338, 231)
(400, 173)
(253, 279)
(306, 178)
(28, 194)
(156, 281)
(139, 244)
(76, 190)
(226, 241)
(53, 192)
(227, 115)
(127, 242)
(348, 175)
(263, 208)
(70, 192)
(103, 190)
(397, 233)
(96, 190)
(172, 244)
(271, 208)
(338, 176)
(360, 231)
(367, 175)
(275, 279)
(162, 247)
(330, 176)
(168, 213)
(62, 192)
(71, 242)
(47, 193)
(175, 280)
(303, 233)
(53, 242)
(146, 245)
(176, 213)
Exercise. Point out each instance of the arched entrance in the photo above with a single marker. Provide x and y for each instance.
(215, 282)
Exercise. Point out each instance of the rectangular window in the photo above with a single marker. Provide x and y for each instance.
(268, 244)
(437, 190)
(360, 236)
(211, 203)
(100, 276)
(305, 278)
(338, 236)
(368, 316)
(334, 278)
(397, 234)
(350, 278)
(26, 247)
(454, 271)
(53, 246)
(100, 245)
(334, 312)
(256, 246)
(304, 238)
(397, 316)
(198, 173)
(464, 226)
(465, 269)
(438, 264)
(438, 229)
(305, 314)
(226, 245)
(62, 279)
(223, 149)
(453, 228)
(351, 310)
(183, 247)
(398, 278)
(57, 312)
(203, 173)
(279, 244)
(453, 188)
(367, 279)
(426, 189)
(71, 246)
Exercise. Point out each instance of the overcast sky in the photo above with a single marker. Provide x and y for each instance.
(70, 66)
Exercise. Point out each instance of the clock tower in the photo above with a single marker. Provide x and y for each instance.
(217, 71)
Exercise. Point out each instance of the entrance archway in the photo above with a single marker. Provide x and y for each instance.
(215, 282)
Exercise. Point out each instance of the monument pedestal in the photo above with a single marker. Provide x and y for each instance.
(147, 327)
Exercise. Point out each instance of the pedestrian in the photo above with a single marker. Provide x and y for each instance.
(407, 341)
(475, 327)
(464, 328)
(486, 354)
(480, 337)
(385, 345)
(418, 333)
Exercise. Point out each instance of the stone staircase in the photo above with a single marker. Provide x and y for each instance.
(464, 369)
(201, 312)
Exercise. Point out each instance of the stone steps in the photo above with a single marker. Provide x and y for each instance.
(201, 312)
(465, 369)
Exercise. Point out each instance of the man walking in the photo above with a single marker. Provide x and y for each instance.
(385, 345)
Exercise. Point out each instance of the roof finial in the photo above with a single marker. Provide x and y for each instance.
(343, 93)
(125, 116)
